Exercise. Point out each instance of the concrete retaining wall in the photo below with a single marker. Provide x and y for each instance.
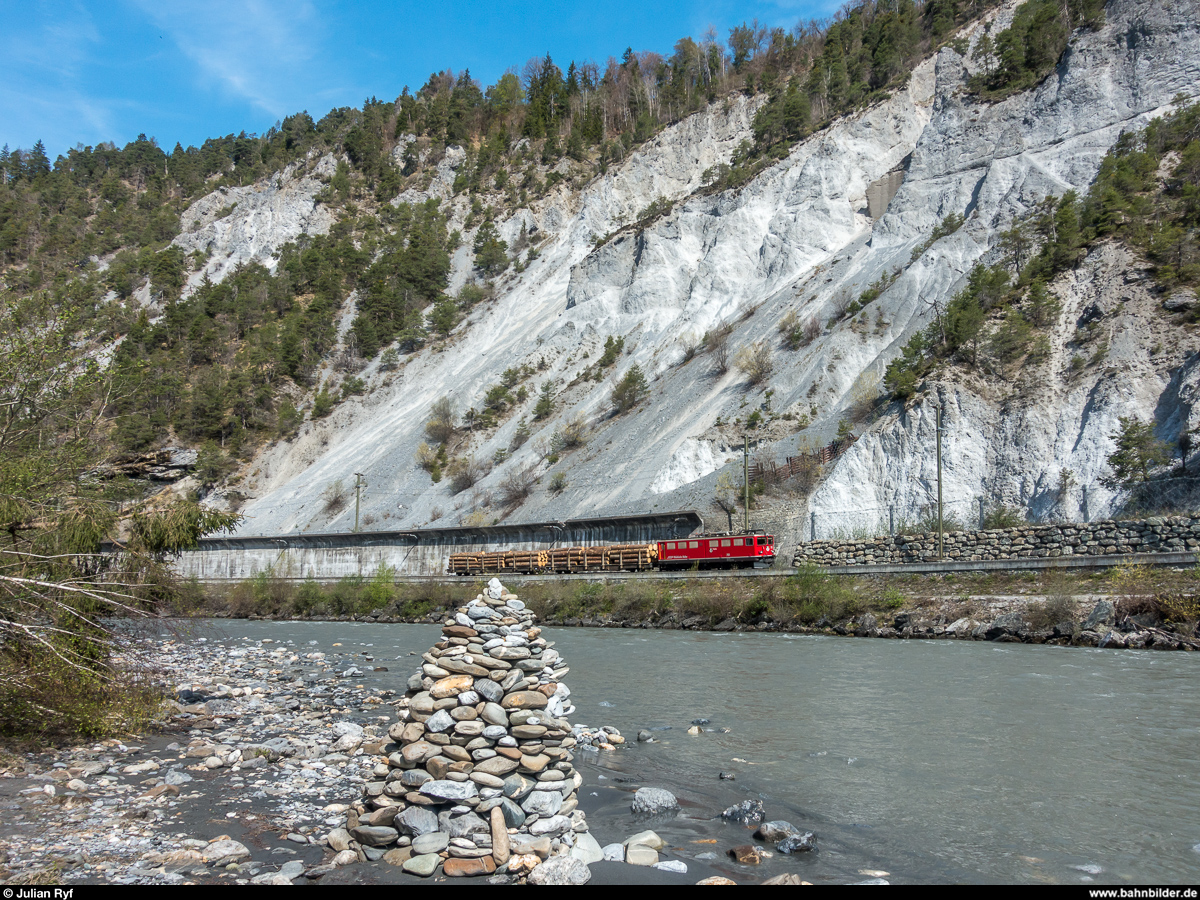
(1166, 534)
(328, 557)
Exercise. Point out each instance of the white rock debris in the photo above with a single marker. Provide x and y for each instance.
(798, 238)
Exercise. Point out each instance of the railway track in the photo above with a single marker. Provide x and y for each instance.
(583, 576)
(932, 567)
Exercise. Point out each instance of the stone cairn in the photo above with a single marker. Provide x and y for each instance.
(480, 777)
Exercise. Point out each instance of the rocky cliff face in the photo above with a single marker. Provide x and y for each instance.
(1042, 446)
(239, 225)
(799, 238)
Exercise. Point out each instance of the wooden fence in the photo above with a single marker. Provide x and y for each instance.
(773, 471)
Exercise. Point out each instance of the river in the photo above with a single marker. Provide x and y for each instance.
(932, 761)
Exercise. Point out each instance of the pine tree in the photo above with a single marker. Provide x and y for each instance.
(630, 390)
(37, 163)
(1138, 451)
(491, 253)
(544, 407)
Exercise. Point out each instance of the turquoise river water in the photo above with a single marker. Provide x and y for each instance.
(932, 761)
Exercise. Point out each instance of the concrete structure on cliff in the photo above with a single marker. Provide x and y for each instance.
(417, 552)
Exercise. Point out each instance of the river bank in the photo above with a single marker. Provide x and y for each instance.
(236, 783)
(1132, 607)
(255, 767)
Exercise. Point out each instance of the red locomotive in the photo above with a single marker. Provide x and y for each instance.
(721, 551)
(705, 551)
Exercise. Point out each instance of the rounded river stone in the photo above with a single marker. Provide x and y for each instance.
(494, 715)
(416, 821)
(653, 801)
(440, 721)
(521, 700)
(431, 842)
(423, 865)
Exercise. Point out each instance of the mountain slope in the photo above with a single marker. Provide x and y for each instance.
(796, 239)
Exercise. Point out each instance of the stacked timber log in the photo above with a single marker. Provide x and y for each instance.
(603, 558)
(599, 558)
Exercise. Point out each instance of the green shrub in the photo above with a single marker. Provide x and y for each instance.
(1179, 607)
(613, 348)
(881, 284)
(390, 360)
(1012, 340)
(343, 596)
(1021, 55)
(379, 591)
(945, 228)
(813, 594)
(44, 698)
(1045, 614)
(444, 316)
(212, 464)
(544, 407)
(755, 608)
(998, 515)
(309, 598)
(323, 404)
(288, 420)
(470, 294)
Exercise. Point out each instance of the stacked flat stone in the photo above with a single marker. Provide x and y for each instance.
(1158, 534)
(480, 777)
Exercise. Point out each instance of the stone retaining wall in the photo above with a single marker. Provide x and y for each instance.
(1154, 535)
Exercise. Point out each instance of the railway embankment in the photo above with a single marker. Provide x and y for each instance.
(1125, 606)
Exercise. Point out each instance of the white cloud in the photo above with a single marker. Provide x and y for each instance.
(263, 51)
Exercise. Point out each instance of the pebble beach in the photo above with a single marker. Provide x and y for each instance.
(280, 764)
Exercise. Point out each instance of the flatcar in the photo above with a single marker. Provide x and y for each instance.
(717, 551)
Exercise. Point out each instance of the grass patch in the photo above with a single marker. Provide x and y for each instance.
(266, 595)
(807, 598)
(51, 874)
(804, 598)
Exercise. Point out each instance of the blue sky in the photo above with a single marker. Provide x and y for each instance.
(185, 70)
